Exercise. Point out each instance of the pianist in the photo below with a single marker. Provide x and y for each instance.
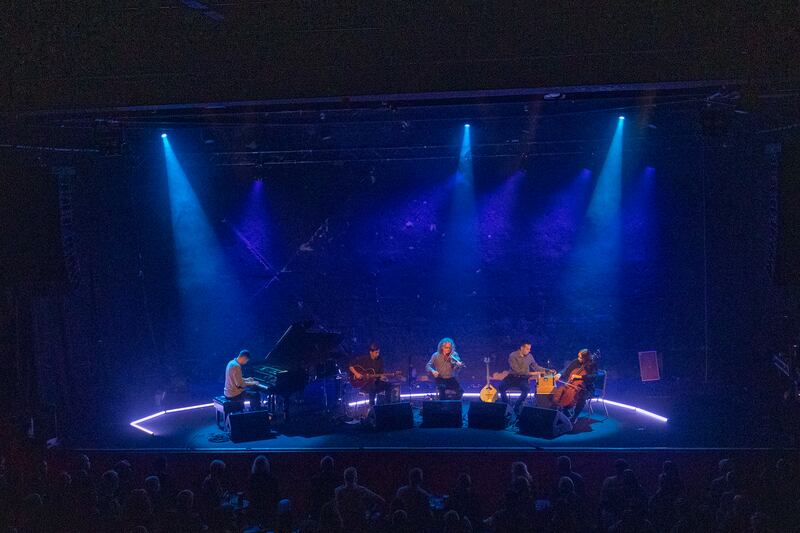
(238, 388)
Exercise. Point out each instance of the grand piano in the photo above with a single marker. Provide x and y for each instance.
(304, 352)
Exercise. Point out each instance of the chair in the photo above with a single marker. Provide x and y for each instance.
(599, 392)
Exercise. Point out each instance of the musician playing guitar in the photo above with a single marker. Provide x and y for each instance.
(444, 365)
(522, 366)
(367, 372)
(580, 375)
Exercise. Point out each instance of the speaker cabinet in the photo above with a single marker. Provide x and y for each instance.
(483, 415)
(650, 366)
(544, 423)
(252, 425)
(392, 416)
(442, 414)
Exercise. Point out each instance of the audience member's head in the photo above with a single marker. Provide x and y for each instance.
(124, 470)
(217, 468)
(83, 463)
(326, 464)
(415, 477)
(152, 484)
(260, 465)
(464, 482)
(620, 466)
(519, 469)
(184, 501)
(452, 522)
(629, 479)
(564, 465)
(399, 518)
(109, 483)
(350, 476)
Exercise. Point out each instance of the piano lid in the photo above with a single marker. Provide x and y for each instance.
(302, 346)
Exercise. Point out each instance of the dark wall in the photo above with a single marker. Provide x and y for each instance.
(148, 53)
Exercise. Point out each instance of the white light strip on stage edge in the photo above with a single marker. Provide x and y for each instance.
(136, 423)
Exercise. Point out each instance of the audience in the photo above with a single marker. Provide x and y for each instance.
(323, 486)
(416, 501)
(42, 498)
(263, 492)
(356, 503)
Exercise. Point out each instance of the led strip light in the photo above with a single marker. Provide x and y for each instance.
(137, 423)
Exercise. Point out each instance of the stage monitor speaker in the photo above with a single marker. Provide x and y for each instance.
(392, 416)
(544, 423)
(544, 401)
(650, 366)
(442, 414)
(252, 425)
(483, 415)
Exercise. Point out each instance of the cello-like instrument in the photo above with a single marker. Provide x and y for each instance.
(567, 395)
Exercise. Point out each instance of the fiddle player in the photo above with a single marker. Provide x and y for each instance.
(581, 373)
(444, 366)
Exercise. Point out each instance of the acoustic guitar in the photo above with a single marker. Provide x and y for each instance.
(369, 376)
(489, 392)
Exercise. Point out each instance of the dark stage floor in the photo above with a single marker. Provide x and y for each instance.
(705, 418)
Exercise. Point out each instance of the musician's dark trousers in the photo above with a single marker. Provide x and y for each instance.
(445, 384)
(376, 387)
(253, 396)
(515, 382)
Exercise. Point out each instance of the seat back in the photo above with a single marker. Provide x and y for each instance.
(599, 385)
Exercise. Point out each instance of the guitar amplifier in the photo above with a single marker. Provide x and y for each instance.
(252, 425)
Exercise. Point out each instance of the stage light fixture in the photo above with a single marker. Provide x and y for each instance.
(466, 125)
(163, 135)
(622, 117)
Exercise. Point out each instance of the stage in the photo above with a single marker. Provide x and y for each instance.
(641, 416)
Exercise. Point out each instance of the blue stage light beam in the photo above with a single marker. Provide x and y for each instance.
(604, 208)
(208, 290)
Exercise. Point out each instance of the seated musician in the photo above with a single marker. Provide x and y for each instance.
(362, 367)
(581, 372)
(444, 365)
(236, 387)
(520, 363)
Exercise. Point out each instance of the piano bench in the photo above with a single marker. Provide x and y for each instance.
(223, 407)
